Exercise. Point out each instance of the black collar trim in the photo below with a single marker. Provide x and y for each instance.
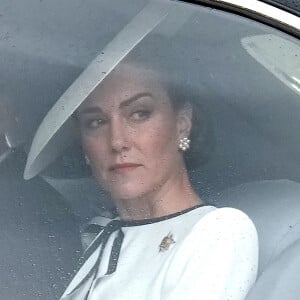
(131, 223)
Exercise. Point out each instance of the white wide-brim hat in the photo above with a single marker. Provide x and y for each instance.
(56, 132)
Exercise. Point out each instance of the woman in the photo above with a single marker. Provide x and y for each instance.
(166, 244)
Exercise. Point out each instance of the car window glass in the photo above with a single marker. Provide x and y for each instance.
(243, 75)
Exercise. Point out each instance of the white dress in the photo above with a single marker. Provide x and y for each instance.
(202, 253)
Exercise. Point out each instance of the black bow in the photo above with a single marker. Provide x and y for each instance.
(101, 242)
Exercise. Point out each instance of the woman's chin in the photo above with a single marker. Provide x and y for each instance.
(126, 192)
(124, 195)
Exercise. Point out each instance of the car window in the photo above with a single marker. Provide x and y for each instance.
(247, 72)
(242, 75)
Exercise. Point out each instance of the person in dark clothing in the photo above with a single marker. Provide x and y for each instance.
(39, 236)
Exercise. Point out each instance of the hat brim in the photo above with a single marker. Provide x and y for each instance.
(56, 132)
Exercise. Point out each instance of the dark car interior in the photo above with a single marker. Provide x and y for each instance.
(247, 77)
(40, 241)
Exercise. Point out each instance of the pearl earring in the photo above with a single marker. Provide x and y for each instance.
(184, 144)
(87, 160)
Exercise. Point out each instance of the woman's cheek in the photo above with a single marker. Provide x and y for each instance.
(158, 143)
(95, 151)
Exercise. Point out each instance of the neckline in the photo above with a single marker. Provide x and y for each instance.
(131, 223)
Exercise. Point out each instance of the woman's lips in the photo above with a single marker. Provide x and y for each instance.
(123, 168)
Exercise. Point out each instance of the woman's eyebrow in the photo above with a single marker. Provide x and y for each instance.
(90, 110)
(127, 102)
(134, 98)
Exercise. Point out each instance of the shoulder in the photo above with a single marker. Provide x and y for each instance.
(219, 256)
(225, 220)
(221, 229)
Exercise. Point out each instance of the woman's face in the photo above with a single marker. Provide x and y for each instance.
(130, 133)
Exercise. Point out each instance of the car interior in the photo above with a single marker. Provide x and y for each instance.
(245, 75)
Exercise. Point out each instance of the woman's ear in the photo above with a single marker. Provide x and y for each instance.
(184, 120)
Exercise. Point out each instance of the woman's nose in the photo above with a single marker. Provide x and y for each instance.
(119, 136)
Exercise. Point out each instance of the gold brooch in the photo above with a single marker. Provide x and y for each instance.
(166, 242)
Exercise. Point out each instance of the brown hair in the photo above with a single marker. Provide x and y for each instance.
(201, 136)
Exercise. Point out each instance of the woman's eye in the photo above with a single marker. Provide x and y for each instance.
(94, 123)
(140, 115)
